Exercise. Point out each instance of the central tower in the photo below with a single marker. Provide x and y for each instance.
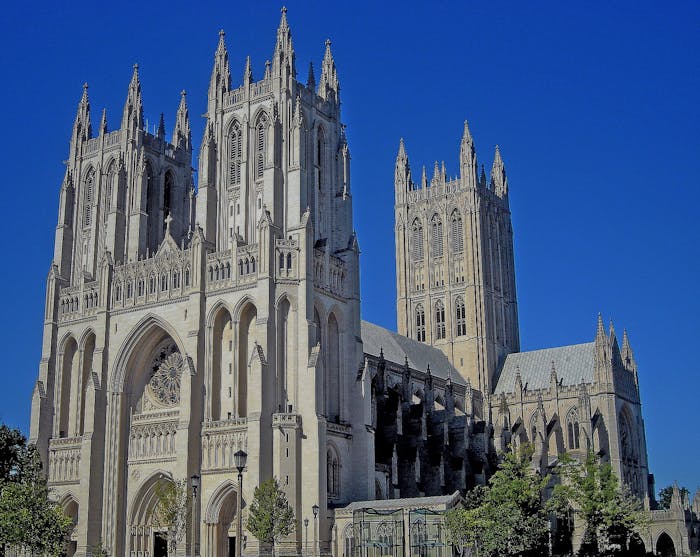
(455, 279)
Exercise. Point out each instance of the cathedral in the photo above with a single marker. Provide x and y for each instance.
(188, 321)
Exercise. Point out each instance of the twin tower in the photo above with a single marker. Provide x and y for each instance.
(455, 278)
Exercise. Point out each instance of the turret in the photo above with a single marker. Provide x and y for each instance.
(182, 135)
(247, 73)
(311, 80)
(499, 182)
(160, 134)
(283, 59)
(329, 87)
(132, 117)
(82, 129)
(602, 354)
(220, 81)
(467, 159)
(627, 354)
(402, 172)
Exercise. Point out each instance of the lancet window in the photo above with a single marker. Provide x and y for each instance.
(460, 317)
(437, 244)
(417, 240)
(235, 150)
(457, 232)
(439, 320)
(420, 323)
(260, 143)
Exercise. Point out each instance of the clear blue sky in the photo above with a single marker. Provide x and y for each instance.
(594, 105)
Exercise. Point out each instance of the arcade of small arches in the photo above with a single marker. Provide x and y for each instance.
(459, 320)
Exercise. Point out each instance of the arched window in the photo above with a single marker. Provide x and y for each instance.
(420, 323)
(417, 241)
(88, 198)
(439, 320)
(109, 189)
(260, 143)
(235, 150)
(319, 155)
(252, 264)
(573, 430)
(460, 317)
(437, 245)
(332, 474)
(167, 195)
(457, 232)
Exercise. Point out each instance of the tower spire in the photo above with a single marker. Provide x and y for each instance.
(499, 182)
(132, 118)
(103, 122)
(467, 158)
(247, 72)
(82, 128)
(161, 127)
(329, 87)
(284, 57)
(220, 81)
(182, 135)
(402, 171)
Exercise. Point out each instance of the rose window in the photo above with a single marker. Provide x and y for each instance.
(164, 385)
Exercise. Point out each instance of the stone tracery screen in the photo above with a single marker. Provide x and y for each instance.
(378, 533)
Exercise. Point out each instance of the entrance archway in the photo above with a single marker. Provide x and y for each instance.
(145, 536)
(665, 546)
(221, 521)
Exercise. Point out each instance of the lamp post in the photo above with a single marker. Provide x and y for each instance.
(194, 482)
(239, 459)
(306, 533)
(315, 511)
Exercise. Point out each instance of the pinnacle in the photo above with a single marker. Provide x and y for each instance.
(402, 149)
(466, 136)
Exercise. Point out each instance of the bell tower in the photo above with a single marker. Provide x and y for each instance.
(455, 278)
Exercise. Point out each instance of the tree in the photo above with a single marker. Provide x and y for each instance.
(12, 452)
(29, 520)
(172, 510)
(590, 490)
(666, 494)
(270, 517)
(510, 518)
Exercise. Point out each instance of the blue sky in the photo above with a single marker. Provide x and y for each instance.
(594, 106)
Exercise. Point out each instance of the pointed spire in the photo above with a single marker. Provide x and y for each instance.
(247, 72)
(182, 135)
(424, 179)
(482, 178)
(499, 182)
(161, 127)
(82, 128)
(402, 171)
(311, 80)
(284, 57)
(443, 173)
(613, 337)
(467, 158)
(600, 333)
(132, 118)
(267, 70)
(435, 180)
(329, 87)
(103, 122)
(220, 81)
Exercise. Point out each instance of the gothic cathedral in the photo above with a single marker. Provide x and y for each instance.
(184, 324)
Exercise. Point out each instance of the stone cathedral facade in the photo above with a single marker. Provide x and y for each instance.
(185, 324)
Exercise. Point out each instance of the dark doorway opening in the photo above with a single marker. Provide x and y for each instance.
(232, 546)
(160, 544)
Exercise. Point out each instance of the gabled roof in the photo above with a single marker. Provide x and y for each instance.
(573, 364)
(398, 347)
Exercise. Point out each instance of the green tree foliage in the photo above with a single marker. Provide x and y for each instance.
(591, 491)
(270, 517)
(97, 550)
(666, 493)
(506, 518)
(29, 520)
(172, 510)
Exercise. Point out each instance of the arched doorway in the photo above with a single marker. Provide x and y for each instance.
(665, 546)
(146, 535)
(636, 547)
(70, 508)
(221, 522)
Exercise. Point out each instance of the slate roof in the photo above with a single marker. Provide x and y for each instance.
(573, 363)
(406, 503)
(397, 347)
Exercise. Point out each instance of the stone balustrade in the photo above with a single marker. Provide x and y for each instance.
(220, 441)
(64, 460)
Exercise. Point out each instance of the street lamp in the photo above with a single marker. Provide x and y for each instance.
(306, 542)
(239, 459)
(315, 511)
(194, 482)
